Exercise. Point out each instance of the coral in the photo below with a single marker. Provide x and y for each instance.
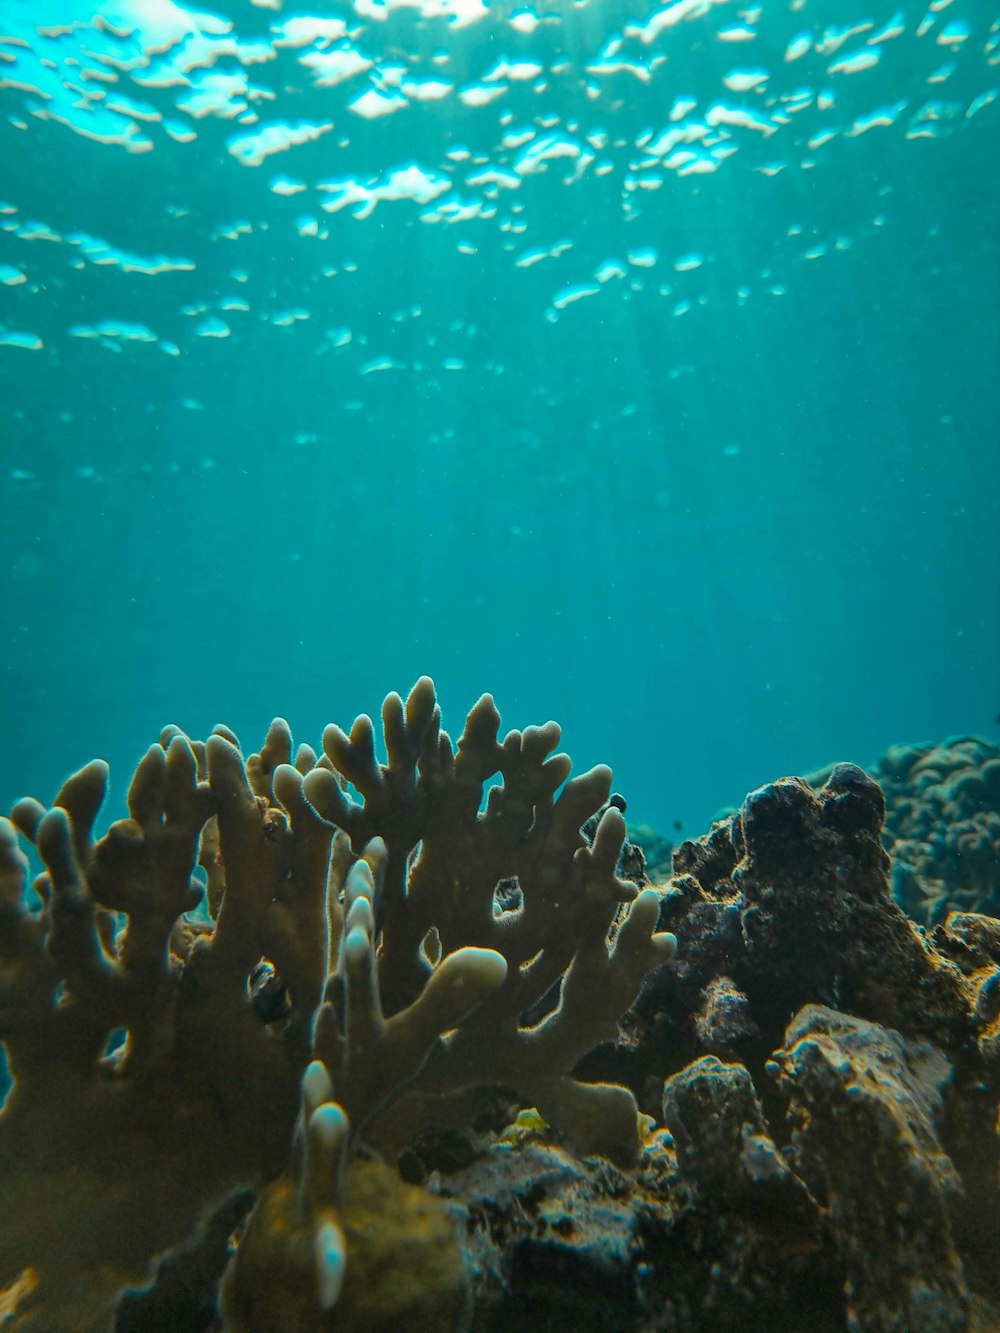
(158, 1039)
(444, 941)
(200, 1097)
(943, 826)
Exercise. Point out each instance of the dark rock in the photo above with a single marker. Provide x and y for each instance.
(723, 1023)
(800, 912)
(866, 1103)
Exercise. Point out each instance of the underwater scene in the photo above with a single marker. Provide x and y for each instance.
(500, 505)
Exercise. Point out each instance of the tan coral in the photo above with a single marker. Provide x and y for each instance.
(201, 1097)
(426, 802)
(417, 973)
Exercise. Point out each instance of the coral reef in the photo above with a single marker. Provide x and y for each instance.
(414, 1049)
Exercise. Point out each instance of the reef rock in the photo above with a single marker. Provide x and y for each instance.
(555, 1242)
(865, 1104)
(787, 903)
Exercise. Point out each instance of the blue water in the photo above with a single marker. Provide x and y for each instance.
(635, 364)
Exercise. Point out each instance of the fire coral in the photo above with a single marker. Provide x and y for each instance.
(351, 974)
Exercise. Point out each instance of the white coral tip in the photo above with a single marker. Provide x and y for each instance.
(359, 883)
(356, 945)
(316, 1086)
(328, 1125)
(360, 917)
(331, 1262)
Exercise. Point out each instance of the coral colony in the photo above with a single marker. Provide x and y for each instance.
(314, 1042)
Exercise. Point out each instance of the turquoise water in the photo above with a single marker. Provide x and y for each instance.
(636, 364)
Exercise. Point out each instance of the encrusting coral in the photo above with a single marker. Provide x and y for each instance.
(943, 826)
(354, 974)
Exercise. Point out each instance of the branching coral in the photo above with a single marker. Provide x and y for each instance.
(369, 937)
